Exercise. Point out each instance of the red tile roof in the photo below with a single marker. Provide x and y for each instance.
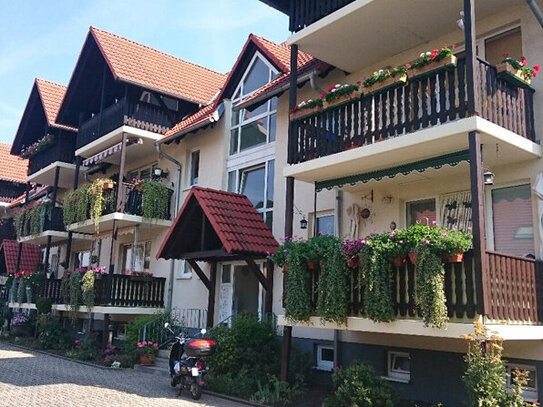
(34, 192)
(13, 168)
(51, 95)
(239, 227)
(30, 256)
(201, 116)
(136, 63)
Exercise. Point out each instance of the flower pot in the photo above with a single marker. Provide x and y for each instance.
(343, 99)
(433, 67)
(512, 75)
(298, 114)
(389, 83)
(29, 294)
(353, 262)
(147, 359)
(399, 261)
(108, 185)
(455, 258)
(412, 257)
(285, 268)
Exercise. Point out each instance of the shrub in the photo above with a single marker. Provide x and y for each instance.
(360, 386)
(84, 349)
(51, 334)
(44, 305)
(130, 346)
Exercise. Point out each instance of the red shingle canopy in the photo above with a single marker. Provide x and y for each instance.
(228, 221)
(30, 256)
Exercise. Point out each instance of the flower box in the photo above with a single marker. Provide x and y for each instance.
(455, 258)
(300, 113)
(389, 83)
(512, 75)
(108, 186)
(399, 261)
(433, 67)
(147, 359)
(340, 100)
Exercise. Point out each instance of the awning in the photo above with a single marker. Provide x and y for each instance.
(216, 225)
(96, 158)
(30, 256)
(452, 159)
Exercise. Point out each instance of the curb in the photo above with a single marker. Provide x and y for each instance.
(81, 362)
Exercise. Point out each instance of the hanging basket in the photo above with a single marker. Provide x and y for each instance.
(434, 67)
(514, 76)
(301, 113)
(354, 95)
(455, 258)
(387, 84)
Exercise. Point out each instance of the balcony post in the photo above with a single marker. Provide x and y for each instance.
(20, 245)
(478, 221)
(45, 225)
(471, 57)
(135, 248)
(289, 198)
(70, 234)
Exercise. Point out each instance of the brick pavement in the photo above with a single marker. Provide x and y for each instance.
(33, 379)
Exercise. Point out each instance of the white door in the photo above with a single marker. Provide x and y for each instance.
(225, 293)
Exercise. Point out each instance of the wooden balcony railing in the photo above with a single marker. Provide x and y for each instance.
(306, 12)
(116, 290)
(63, 150)
(141, 115)
(515, 290)
(48, 218)
(422, 103)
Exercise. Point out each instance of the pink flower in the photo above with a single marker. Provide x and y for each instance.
(408, 65)
(76, 341)
(537, 67)
(155, 346)
(392, 234)
(427, 241)
(400, 241)
(434, 222)
(443, 233)
(454, 227)
(373, 230)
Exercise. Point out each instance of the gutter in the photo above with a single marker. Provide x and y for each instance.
(217, 114)
(536, 10)
(177, 197)
(309, 76)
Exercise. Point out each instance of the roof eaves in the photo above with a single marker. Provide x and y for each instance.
(214, 117)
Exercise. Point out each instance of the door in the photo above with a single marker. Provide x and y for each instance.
(246, 291)
(225, 293)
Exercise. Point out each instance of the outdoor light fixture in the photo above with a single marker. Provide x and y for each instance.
(460, 21)
(488, 178)
(393, 225)
(303, 223)
(158, 172)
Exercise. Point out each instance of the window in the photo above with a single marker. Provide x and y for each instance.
(194, 167)
(184, 270)
(142, 258)
(530, 393)
(143, 173)
(512, 219)
(82, 259)
(325, 357)
(226, 274)
(325, 225)
(257, 184)
(399, 366)
(510, 41)
(251, 128)
(423, 211)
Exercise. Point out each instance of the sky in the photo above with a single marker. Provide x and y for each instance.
(43, 38)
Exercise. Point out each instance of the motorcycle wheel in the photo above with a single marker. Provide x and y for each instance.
(174, 382)
(195, 390)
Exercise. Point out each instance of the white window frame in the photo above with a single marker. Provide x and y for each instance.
(424, 198)
(395, 374)
(325, 365)
(150, 167)
(266, 115)
(314, 218)
(184, 270)
(530, 393)
(189, 167)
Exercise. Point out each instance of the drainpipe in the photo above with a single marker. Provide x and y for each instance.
(536, 10)
(177, 192)
(338, 205)
(313, 82)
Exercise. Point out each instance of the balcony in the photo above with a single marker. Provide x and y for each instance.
(110, 291)
(423, 119)
(306, 12)
(42, 166)
(132, 210)
(511, 289)
(139, 115)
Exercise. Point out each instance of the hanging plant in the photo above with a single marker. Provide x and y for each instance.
(76, 205)
(430, 287)
(71, 287)
(87, 289)
(333, 286)
(155, 200)
(38, 146)
(97, 200)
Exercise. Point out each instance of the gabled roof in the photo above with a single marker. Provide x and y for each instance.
(239, 228)
(147, 67)
(51, 95)
(30, 256)
(12, 168)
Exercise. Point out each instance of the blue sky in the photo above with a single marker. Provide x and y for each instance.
(43, 38)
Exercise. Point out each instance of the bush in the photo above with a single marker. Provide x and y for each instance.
(44, 305)
(51, 334)
(133, 331)
(360, 386)
(84, 349)
(113, 354)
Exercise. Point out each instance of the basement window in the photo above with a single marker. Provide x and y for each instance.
(399, 367)
(530, 392)
(325, 358)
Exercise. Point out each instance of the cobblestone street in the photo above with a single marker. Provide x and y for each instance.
(33, 379)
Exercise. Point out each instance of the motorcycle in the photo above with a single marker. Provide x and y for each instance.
(187, 361)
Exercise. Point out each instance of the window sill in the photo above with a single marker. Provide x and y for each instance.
(323, 369)
(187, 276)
(396, 379)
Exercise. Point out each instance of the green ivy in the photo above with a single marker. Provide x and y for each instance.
(76, 205)
(31, 221)
(430, 287)
(87, 289)
(71, 287)
(297, 288)
(377, 277)
(155, 200)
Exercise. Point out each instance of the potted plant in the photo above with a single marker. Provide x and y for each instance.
(99, 272)
(453, 244)
(352, 252)
(339, 94)
(146, 351)
(385, 79)
(432, 61)
(20, 325)
(517, 71)
(306, 108)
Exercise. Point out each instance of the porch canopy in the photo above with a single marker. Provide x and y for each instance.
(215, 226)
(30, 256)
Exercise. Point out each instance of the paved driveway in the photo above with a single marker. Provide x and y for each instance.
(33, 379)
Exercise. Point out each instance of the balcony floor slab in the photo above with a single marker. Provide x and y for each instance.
(46, 176)
(98, 309)
(122, 220)
(423, 144)
(56, 237)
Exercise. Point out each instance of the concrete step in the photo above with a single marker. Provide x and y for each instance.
(163, 353)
